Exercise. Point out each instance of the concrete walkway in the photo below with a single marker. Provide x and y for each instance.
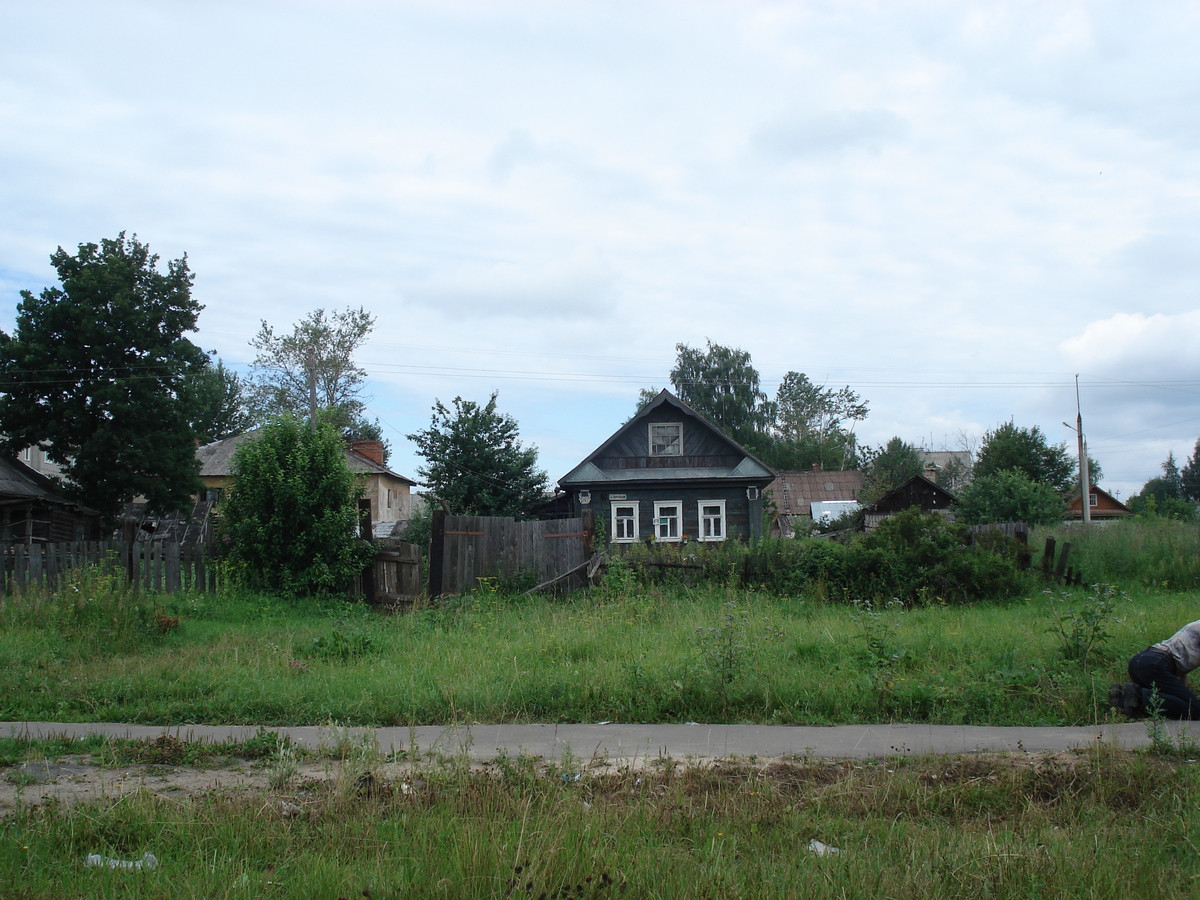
(631, 743)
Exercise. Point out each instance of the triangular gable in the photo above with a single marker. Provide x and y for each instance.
(917, 491)
(747, 465)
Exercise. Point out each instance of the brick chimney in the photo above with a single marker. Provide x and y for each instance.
(931, 472)
(372, 450)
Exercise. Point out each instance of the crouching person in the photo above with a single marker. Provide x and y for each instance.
(1158, 676)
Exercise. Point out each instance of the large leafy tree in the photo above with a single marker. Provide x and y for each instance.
(1009, 495)
(96, 374)
(722, 384)
(888, 467)
(475, 463)
(291, 516)
(313, 364)
(814, 424)
(216, 402)
(1009, 448)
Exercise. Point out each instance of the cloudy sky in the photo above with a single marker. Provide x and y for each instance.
(955, 208)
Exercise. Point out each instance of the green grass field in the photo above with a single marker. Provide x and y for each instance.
(1100, 823)
(650, 654)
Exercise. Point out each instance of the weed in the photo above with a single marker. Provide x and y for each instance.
(337, 647)
(283, 767)
(1083, 630)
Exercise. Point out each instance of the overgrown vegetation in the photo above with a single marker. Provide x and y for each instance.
(911, 558)
(753, 635)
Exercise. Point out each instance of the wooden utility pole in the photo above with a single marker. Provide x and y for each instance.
(1085, 486)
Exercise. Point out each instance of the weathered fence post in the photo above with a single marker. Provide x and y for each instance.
(437, 553)
(1048, 557)
(1061, 569)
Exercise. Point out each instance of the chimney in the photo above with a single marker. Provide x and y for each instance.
(372, 450)
(931, 473)
(816, 467)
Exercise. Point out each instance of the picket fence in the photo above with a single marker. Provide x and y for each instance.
(157, 566)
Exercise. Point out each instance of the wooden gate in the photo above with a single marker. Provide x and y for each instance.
(464, 549)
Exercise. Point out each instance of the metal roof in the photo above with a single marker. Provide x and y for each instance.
(794, 492)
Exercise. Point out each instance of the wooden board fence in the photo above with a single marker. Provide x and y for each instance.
(158, 566)
(464, 549)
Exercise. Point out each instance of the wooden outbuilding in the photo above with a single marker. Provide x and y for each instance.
(34, 511)
(918, 491)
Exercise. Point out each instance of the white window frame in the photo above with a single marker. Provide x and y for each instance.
(703, 520)
(662, 530)
(1093, 499)
(675, 448)
(635, 518)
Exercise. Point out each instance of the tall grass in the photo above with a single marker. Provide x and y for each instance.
(632, 654)
(1158, 554)
(1100, 826)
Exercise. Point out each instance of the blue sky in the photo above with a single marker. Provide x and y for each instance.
(955, 208)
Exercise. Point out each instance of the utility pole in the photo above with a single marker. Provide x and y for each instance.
(1085, 487)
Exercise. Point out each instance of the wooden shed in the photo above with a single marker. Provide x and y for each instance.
(34, 511)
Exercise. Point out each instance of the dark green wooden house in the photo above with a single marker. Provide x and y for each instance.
(670, 474)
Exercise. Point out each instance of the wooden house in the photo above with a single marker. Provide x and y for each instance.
(387, 492)
(1101, 504)
(33, 511)
(668, 474)
(918, 491)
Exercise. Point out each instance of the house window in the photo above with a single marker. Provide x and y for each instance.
(667, 524)
(27, 455)
(711, 517)
(625, 522)
(666, 439)
(1091, 499)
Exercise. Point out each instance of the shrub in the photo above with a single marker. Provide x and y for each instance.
(291, 519)
(911, 557)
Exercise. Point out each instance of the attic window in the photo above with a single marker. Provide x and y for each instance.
(666, 439)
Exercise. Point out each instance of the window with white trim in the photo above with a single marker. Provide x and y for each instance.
(624, 522)
(668, 520)
(1093, 500)
(666, 439)
(710, 514)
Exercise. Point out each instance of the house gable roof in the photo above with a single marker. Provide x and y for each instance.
(19, 482)
(917, 491)
(216, 459)
(1107, 506)
(708, 453)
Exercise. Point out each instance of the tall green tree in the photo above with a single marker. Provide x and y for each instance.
(216, 402)
(1009, 448)
(313, 363)
(96, 374)
(888, 467)
(291, 516)
(722, 385)
(475, 462)
(1165, 496)
(1189, 476)
(1009, 495)
(814, 424)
